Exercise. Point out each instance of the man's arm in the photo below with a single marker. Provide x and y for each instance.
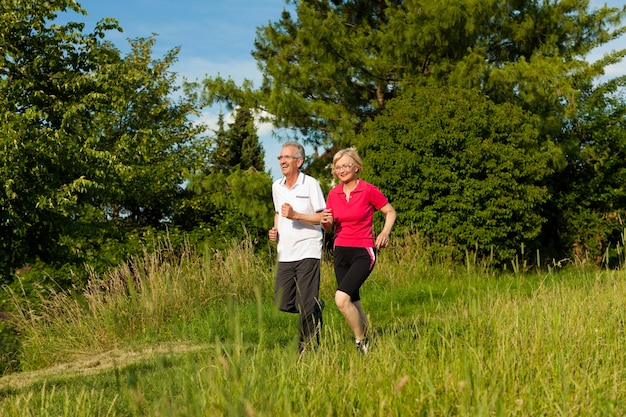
(273, 233)
(287, 211)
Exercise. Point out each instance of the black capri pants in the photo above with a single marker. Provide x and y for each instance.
(352, 267)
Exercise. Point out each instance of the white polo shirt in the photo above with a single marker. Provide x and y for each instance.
(298, 240)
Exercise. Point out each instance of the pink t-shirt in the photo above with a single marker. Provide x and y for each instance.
(353, 219)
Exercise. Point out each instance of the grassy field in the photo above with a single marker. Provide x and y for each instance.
(191, 334)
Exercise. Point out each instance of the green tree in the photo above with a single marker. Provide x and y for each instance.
(332, 65)
(461, 170)
(589, 212)
(227, 205)
(230, 197)
(245, 149)
(235, 147)
(151, 135)
(219, 159)
(92, 144)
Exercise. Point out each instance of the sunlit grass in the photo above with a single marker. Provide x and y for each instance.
(447, 341)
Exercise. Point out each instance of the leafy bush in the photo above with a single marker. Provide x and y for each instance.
(460, 169)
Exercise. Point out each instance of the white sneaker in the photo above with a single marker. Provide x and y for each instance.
(363, 346)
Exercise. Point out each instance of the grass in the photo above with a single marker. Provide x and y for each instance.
(182, 334)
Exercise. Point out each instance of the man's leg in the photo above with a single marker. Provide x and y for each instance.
(307, 300)
(285, 287)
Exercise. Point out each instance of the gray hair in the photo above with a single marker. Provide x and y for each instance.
(299, 149)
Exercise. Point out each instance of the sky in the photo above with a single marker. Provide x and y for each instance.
(216, 37)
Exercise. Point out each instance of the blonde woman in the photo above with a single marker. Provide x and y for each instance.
(350, 209)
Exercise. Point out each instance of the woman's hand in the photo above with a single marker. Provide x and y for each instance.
(382, 240)
(327, 219)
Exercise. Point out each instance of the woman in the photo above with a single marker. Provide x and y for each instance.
(350, 207)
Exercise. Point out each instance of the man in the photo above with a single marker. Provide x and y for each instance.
(298, 202)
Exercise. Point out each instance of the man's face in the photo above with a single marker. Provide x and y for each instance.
(289, 164)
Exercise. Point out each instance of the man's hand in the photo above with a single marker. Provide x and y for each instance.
(287, 211)
(273, 234)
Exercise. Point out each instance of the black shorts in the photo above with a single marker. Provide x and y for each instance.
(352, 267)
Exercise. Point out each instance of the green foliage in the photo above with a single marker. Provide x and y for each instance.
(221, 206)
(150, 137)
(95, 153)
(218, 153)
(460, 169)
(330, 66)
(245, 150)
(92, 145)
(591, 202)
(230, 196)
(236, 148)
(46, 91)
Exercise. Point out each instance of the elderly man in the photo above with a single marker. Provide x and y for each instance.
(298, 202)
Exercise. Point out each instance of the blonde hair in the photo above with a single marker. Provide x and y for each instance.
(352, 153)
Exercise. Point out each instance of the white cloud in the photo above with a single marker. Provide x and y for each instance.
(197, 68)
(613, 71)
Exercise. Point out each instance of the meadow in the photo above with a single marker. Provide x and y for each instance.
(195, 333)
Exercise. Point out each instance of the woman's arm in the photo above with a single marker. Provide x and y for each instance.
(327, 220)
(382, 240)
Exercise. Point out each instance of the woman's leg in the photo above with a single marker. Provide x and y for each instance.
(362, 318)
(352, 267)
(352, 312)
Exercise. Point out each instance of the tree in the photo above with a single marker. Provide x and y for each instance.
(245, 149)
(230, 198)
(589, 212)
(219, 159)
(461, 170)
(221, 206)
(336, 64)
(237, 147)
(92, 144)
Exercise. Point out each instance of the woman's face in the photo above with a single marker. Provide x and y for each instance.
(345, 169)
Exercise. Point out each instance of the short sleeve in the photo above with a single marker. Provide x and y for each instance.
(377, 198)
(275, 196)
(317, 197)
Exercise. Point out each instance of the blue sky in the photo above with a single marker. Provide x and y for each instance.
(216, 37)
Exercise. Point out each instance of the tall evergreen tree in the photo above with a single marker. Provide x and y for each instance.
(227, 198)
(332, 65)
(245, 149)
(219, 159)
